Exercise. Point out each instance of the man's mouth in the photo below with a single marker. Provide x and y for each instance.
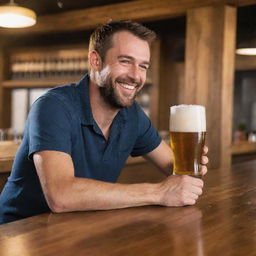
(127, 86)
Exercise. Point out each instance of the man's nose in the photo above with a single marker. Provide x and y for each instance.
(134, 73)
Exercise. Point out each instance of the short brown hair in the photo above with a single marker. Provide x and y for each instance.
(101, 38)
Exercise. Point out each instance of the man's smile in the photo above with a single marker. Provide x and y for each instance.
(126, 86)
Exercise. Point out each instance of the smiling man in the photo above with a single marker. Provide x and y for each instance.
(78, 137)
(125, 71)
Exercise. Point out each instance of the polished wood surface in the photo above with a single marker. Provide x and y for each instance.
(8, 151)
(209, 74)
(223, 222)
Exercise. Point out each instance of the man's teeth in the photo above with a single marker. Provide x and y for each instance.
(126, 86)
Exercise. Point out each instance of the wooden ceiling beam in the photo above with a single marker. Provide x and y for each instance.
(140, 10)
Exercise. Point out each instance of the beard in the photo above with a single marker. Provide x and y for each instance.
(110, 94)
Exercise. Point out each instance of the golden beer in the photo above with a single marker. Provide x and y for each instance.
(187, 138)
(187, 149)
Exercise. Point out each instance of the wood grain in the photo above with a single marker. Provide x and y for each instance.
(221, 223)
(3, 179)
(209, 71)
(141, 10)
(243, 157)
(155, 79)
(8, 151)
(171, 80)
(6, 165)
(5, 94)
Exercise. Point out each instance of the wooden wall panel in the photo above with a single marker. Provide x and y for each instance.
(209, 71)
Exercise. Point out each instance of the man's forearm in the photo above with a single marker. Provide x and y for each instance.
(161, 157)
(65, 193)
(80, 194)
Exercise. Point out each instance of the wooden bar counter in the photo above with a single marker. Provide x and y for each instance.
(223, 222)
(8, 150)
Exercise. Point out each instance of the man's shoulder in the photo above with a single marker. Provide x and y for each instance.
(61, 97)
(66, 95)
(69, 93)
(64, 92)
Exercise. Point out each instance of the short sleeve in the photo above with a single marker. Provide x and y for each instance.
(148, 138)
(49, 126)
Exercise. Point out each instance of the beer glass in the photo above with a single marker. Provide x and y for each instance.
(187, 138)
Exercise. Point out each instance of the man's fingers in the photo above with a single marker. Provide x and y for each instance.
(204, 160)
(203, 169)
(205, 150)
(196, 182)
(197, 191)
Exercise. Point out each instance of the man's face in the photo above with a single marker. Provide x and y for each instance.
(124, 69)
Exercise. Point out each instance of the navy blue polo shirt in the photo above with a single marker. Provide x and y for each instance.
(62, 120)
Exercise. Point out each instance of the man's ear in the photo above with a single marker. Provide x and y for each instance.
(94, 60)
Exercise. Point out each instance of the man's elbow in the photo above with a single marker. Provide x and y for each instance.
(56, 207)
(56, 203)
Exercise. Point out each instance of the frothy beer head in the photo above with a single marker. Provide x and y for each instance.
(187, 118)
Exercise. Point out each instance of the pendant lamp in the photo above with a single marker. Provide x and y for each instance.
(248, 45)
(246, 50)
(246, 31)
(15, 16)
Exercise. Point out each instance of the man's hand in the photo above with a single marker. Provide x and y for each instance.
(183, 190)
(180, 190)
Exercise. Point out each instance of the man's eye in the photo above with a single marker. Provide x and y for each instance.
(125, 61)
(144, 67)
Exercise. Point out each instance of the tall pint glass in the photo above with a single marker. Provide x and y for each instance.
(187, 138)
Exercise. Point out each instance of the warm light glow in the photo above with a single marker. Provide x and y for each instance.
(13, 16)
(246, 51)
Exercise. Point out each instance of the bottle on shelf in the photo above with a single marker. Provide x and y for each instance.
(48, 67)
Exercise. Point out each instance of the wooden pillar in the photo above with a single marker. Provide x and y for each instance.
(171, 80)
(209, 74)
(154, 101)
(5, 94)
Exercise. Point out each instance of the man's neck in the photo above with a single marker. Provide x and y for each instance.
(102, 112)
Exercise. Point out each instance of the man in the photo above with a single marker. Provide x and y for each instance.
(78, 137)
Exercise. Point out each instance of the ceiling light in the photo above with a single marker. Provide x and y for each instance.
(15, 16)
(246, 44)
(246, 51)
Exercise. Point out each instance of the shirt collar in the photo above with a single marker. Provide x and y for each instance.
(85, 105)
